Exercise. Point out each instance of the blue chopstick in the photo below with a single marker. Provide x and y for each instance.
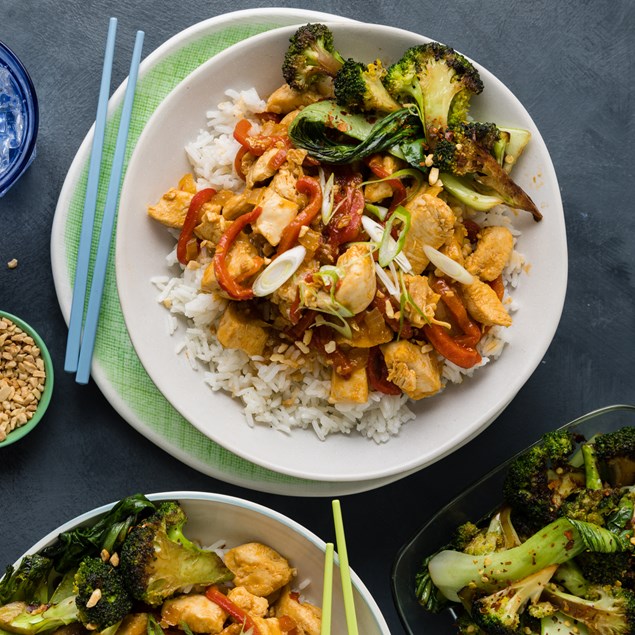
(108, 221)
(90, 202)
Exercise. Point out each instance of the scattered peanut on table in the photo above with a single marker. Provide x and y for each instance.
(22, 377)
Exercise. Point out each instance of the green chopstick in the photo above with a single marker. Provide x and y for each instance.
(327, 593)
(345, 572)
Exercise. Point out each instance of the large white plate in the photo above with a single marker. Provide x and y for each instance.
(213, 517)
(443, 423)
(116, 369)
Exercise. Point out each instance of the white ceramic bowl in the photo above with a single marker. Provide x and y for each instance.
(213, 517)
(444, 422)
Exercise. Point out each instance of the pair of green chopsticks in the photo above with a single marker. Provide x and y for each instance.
(345, 575)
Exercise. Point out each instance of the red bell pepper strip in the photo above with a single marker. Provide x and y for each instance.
(378, 373)
(256, 144)
(451, 299)
(238, 161)
(305, 185)
(346, 223)
(192, 219)
(233, 610)
(224, 279)
(446, 345)
(499, 286)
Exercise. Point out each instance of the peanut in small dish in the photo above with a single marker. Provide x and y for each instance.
(22, 377)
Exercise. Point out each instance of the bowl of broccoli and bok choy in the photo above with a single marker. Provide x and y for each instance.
(124, 563)
(542, 544)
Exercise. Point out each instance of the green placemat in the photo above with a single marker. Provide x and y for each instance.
(113, 349)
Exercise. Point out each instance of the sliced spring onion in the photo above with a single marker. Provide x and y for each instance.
(389, 248)
(448, 266)
(344, 328)
(388, 283)
(328, 197)
(279, 271)
(377, 210)
(377, 233)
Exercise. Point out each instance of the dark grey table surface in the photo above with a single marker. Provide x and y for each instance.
(571, 65)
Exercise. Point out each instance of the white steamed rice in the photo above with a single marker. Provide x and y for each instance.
(291, 390)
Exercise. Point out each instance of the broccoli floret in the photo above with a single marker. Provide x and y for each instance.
(610, 611)
(310, 57)
(157, 560)
(102, 599)
(558, 542)
(30, 581)
(616, 452)
(609, 568)
(596, 506)
(500, 612)
(97, 598)
(459, 155)
(439, 81)
(359, 88)
(540, 479)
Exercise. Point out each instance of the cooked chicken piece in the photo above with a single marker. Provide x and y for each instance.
(358, 284)
(453, 247)
(171, 209)
(492, 253)
(287, 176)
(286, 295)
(269, 626)
(199, 613)
(241, 203)
(261, 169)
(285, 99)
(258, 568)
(308, 618)
(351, 389)
(431, 223)
(277, 213)
(252, 604)
(237, 329)
(76, 628)
(212, 225)
(243, 262)
(187, 183)
(425, 299)
(415, 372)
(378, 190)
(134, 624)
(483, 304)
(371, 331)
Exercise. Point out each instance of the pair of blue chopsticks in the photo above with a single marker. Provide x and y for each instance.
(81, 333)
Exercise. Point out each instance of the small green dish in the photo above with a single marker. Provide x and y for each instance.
(22, 431)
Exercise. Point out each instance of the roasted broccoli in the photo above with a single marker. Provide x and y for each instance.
(541, 478)
(157, 560)
(311, 56)
(615, 451)
(102, 599)
(97, 598)
(458, 154)
(359, 88)
(502, 611)
(439, 81)
(608, 610)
